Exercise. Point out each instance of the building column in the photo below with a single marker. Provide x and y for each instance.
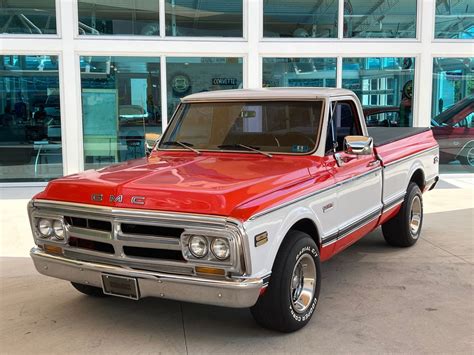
(70, 86)
(253, 27)
(424, 66)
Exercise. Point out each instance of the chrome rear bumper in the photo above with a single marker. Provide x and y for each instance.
(229, 293)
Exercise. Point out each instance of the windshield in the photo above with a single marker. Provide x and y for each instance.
(267, 126)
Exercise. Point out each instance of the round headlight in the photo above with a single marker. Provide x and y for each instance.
(58, 229)
(198, 246)
(220, 248)
(45, 227)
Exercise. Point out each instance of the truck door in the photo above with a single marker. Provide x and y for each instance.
(358, 177)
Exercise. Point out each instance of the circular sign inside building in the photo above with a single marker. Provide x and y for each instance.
(180, 83)
(408, 89)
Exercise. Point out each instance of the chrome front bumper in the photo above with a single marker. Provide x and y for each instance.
(239, 293)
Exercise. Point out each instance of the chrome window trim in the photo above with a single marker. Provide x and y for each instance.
(187, 221)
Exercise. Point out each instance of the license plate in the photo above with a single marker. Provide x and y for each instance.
(120, 286)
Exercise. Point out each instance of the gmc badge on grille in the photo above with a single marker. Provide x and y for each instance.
(136, 200)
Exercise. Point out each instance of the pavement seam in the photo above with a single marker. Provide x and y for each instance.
(184, 328)
(447, 251)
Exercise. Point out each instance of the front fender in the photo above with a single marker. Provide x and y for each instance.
(276, 224)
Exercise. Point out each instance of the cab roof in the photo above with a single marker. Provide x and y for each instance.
(267, 94)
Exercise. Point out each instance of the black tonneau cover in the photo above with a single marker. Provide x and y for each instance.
(386, 135)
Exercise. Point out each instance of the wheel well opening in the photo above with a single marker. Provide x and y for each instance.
(307, 226)
(418, 178)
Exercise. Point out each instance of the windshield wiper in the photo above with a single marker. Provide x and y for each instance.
(233, 146)
(184, 145)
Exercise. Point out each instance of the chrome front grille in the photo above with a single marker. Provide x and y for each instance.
(140, 239)
(150, 230)
(88, 223)
(124, 238)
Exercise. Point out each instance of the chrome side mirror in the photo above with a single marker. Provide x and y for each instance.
(358, 145)
(151, 140)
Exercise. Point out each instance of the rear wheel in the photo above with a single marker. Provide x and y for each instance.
(89, 290)
(290, 300)
(404, 229)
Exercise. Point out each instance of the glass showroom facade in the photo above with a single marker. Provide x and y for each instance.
(89, 83)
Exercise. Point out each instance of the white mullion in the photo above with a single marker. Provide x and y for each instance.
(163, 93)
(75, 18)
(58, 18)
(423, 83)
(253, 58)
(339, 72)
(340, 20)
(162, 18)
(70, 94)
(245, 20)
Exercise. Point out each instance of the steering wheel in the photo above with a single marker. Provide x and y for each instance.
(309, 140)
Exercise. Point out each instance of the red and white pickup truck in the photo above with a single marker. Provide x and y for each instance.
(243, 197)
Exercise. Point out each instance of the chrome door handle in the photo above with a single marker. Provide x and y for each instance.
(373, 163)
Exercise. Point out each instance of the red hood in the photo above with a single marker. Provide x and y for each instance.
(212, 183)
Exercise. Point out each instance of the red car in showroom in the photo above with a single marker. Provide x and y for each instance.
(454, 131)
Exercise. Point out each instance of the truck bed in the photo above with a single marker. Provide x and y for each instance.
(396, 143)
(387, 135)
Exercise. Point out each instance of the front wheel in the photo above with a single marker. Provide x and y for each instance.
(290, 300)
(404, 229)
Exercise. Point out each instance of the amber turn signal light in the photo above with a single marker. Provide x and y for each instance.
(209, 270)
(52, 249)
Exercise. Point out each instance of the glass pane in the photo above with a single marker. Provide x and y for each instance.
(121, 108)
(30, 119)
(300, 18)
(454, 19)
(384, 87)
(204, 18)
(125, 17)
(452, 113)
(299, 72)
(197, 74)
(28, 17)
(380, 19)
(284, 127)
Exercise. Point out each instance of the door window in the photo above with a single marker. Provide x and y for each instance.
(343, 122)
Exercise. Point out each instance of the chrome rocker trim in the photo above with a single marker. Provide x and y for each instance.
(236, 293)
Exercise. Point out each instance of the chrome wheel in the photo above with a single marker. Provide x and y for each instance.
(303, 283)
(415, 216)
(470, 156)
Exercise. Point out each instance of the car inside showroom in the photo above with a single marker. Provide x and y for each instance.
(227, 132)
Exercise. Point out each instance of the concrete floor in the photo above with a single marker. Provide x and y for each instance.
(374, 299)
